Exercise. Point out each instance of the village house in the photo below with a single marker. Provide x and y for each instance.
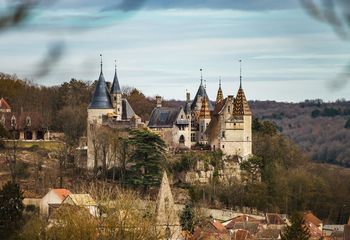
(84, 201)
(22, 125)
(52, 200)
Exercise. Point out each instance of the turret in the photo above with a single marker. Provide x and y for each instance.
(219, 95)
(101, 99)
(99, 106)
(116, 95)
(204, 120)
(243, 116)
(201, 93)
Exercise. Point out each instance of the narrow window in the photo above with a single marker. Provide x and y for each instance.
(28, 122)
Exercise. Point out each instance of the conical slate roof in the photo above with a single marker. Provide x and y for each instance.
(241, 106)
(115, 86)
(101, 98)
(203, 93)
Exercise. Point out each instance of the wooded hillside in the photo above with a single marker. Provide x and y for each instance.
(321, 129)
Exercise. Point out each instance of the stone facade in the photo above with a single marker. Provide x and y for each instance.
(230, 129)
(172, 124)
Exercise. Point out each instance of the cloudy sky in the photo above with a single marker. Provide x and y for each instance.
(160, 45)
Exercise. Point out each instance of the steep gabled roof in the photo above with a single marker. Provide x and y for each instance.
(80, 200)
(241, 106)
(62, 193)
(4, 105)
(115, 86)
(101, 98)
(274, 218)
(163, 117)
(310, 217)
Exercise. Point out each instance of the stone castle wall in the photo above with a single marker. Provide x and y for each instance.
(203, 173)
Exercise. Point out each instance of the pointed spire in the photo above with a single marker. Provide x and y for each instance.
(196, 103)
(241, 106)
(101, 61)
(115, 85)
(167, 219)
(240, 73)
(101, 98)
(219, 95)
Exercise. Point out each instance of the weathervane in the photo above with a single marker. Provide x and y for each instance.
(101, 61)
(240, 73)
(201, 75)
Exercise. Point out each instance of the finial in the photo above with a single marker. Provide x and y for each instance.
(240, 73)
(115, 64)
(101, 61)
(219, 81)
(201, 76)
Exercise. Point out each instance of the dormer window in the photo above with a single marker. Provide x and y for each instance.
(228, 108)
(182, 116)
(28, 121)
(3, 120)
(13, 121)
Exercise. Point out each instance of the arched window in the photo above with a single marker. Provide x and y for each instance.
(182, 139)
(13, 121)
(28, 121)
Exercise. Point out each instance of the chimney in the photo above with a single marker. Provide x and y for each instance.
(159, 101)
(188, 97)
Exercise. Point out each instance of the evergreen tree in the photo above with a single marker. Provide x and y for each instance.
(148, 158)
(296, 231)
(11, 208)
(187, 217)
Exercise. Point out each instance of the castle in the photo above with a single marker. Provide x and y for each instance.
(225, 125)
